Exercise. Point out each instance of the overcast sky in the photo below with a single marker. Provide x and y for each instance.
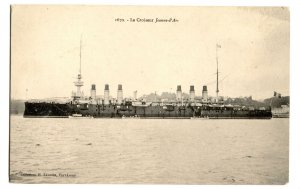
(148, 56)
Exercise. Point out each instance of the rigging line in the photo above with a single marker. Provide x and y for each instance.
(67, 52)
(213, 81)
(224, 78)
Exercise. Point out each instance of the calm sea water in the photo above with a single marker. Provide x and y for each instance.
(54, 150)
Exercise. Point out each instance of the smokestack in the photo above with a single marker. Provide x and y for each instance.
(192, 93)
(106, 94)
(204, 94)
(178, 93)
(93, 91)
(134, 95)
(119, 94)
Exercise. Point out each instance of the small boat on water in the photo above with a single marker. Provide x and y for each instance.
(200, 118)
(130, 117)
(79, 116)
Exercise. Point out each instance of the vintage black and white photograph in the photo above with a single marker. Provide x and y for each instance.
(104, 94)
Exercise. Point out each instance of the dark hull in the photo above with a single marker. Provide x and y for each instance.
(156, 112)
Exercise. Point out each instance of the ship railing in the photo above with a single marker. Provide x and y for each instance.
(50, 101)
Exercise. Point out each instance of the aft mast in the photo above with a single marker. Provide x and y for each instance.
(217, 90)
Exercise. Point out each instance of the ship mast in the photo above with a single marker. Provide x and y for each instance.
(217, 90)
(79, 83)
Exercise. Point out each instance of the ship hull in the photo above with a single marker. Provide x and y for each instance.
(58, 110)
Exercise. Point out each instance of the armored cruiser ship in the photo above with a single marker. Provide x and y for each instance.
(107, 107)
